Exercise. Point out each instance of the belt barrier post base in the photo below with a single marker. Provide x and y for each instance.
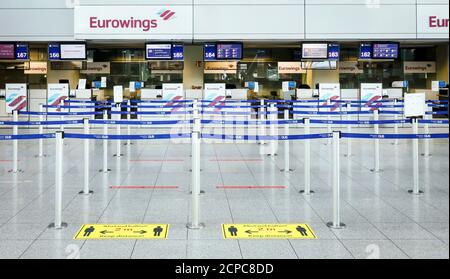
(416, 189)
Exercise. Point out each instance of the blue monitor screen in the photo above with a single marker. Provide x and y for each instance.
(333, 51)
(229, 51)
(53, 52)
(158, 51)
(209, 52)
(22, 52)
(385, 51)
(365, 51)
(178, 52)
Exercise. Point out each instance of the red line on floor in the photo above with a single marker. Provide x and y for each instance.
(144, 187)
(251, 187)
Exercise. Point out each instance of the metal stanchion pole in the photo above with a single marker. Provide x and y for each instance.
(427, 132)
(416, 190)
(129, 119)
(328, 119)
(41, 131)
(396, 124)
(118, 132)
(377, 142)
(287, 143)
(86, 190)
(336, 223)
(105, 145)
(15, 168)
(262, 127)
(307, 165)
(59, 139)
(62, 116)
(195, 207)
(273, 118)
(349, 130)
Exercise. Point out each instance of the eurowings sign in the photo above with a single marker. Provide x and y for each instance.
(133, 22)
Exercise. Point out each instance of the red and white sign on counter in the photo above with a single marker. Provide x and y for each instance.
(133, 22)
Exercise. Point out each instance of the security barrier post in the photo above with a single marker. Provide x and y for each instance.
(416, 190)
(273, 118)
(349, 130)
(118, 132)
(336, 223)
(59, 139)
(62, 116)
(105, 144)
(129, 119)
(86, 190)
(377, 142)
(287, 152)
(41, 131)
(15, 144)
(427, 131)
(195, 207)
(262, 126)
(396, 141)
(307, 165)
(328, 119)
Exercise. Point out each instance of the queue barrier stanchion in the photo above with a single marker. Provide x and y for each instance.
(41, 131)
(129, 119)
(416, 188)
(105, 144)
(426, 152)
(196, 191)
(272, 117)
(336, 223)
(307, 165)
(328, 120)
(376, 117)
(15, 167)
(86, 129)
(396, 141)
(349, 130)
(262, 127)
(62, 116)
(118, 132)
(287, 143)
(59, 143)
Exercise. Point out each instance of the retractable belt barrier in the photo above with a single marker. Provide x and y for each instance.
(27, 137)
(126, 137)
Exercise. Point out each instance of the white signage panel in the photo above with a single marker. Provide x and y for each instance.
(425, 67)
(221, 67)
(16, 97)
(432, 21)
(148, 94)
(82, 84)
(133, 22)
(36, 68)
(329, 93)
(415, 105)
(371, 93)
(56, 94)
(172, 91)
(214, 91)
(118, 93)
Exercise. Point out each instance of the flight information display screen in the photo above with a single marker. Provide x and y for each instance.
(178, 52)
(385, 51)
(7, 51)
(365, 51)
(22, 52)
(315, 51)
(333, 51)
(158, 51)
(53, 52)
(209, 52)
(229, 51)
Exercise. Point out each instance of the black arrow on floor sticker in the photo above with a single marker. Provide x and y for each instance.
(286, 232)
(105, 232)
(141, 232)
(251, 232)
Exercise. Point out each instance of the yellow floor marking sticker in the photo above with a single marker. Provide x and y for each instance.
(267, 231)
(123, 231)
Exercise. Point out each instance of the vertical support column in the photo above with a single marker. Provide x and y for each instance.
(105, 145)
(273, 118)
(287, 143)
(195, 206)
(336, 223)
(59, 139)
(41, 131)
(262, 127)
(349, 130)
(307, 165)
(377, 143)
(86, 190)
(416, 190)
(118, 132)
(15, 168)
(396, 141)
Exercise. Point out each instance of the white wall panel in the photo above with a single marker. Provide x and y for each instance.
(248, 22)
(133, 2)
(34, 4)
(360, 22)
(427, 30)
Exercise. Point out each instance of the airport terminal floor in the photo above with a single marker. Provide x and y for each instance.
(150, 184)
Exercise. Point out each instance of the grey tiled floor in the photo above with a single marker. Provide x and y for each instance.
(383, 220)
